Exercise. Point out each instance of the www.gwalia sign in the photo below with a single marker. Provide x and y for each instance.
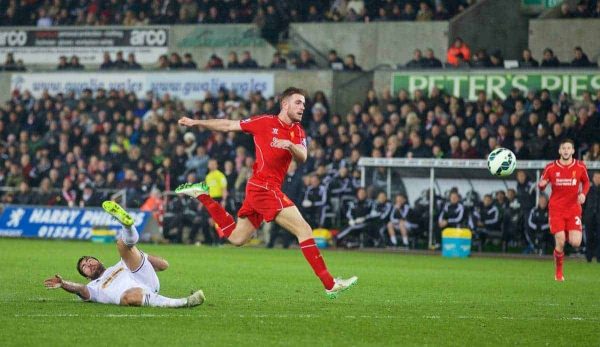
(466, 84)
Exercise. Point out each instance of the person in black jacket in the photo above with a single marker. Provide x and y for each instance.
(430, 61)
(549, 59)
(399, 220)
(341, 187)
(489, 222)
(537, 232)
(580, 59)
(314, 202)
(377, 220)
(591, 220)
(453, 213)
(525, 191)
(293, 187)
(358, 212)
(512, 220)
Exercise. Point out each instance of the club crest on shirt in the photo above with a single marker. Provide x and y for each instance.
(291, 135)
(558, 174)
(275, 131)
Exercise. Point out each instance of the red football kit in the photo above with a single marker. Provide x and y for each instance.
(264, 198)
(564, 208)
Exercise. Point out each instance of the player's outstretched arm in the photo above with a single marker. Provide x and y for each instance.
(71, 287)
(224, 125)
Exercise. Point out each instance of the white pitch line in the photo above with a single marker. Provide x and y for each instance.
(294, 316)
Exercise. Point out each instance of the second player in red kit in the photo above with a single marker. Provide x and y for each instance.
(278, 139)
(570, 184)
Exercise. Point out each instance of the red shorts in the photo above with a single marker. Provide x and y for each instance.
(263, 202)
(564, 222)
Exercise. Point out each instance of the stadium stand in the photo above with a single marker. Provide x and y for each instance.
(74, 151)
(267, 13)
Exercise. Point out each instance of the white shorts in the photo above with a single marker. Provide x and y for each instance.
(146, 275)
(408, 225)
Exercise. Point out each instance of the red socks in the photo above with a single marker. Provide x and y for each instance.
(226, 225)
(314, 258)
(225, 222)
(558, 262)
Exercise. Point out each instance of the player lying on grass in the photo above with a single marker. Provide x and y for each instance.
(130, 282)
(278, 139)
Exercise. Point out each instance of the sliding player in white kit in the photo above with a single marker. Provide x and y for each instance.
(130, 282)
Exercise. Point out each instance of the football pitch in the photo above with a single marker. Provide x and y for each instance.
(264, 297)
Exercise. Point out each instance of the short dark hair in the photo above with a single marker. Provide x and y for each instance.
(291, 91)
(85, 257)
(567, 140)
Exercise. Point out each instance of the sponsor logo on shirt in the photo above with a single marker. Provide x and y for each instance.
(566, 181)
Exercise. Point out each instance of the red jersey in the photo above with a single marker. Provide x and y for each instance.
(271, 163)
(565, 181)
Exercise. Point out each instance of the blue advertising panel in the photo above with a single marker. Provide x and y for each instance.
(60, 222)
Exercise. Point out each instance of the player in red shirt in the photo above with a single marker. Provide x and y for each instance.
(570, 184)
(278, 139)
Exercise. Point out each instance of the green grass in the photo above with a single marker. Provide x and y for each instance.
(264, 297)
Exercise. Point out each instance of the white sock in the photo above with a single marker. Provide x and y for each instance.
(155, 300)
(130, 235)
(405, 240)
(393, 240)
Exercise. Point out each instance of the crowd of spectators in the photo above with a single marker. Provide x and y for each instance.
(459, 55)
(10, 64)
(71, 149)
(269, 13)
(583, 9)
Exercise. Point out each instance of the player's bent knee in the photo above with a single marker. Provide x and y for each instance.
(237, 242)
(132, 297)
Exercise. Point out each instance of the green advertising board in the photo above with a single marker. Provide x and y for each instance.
(466, 84)
(218, 36)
